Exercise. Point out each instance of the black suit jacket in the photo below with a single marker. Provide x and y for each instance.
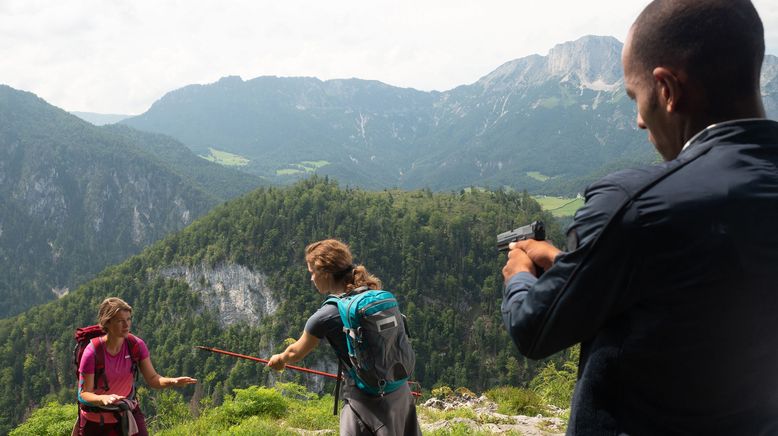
(671, 286)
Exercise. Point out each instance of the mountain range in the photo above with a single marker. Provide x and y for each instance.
(75, 198)
(548, 124)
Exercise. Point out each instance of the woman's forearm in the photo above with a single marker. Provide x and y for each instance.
(98, 400)
(89, 397)
(292, 354)
(159, 382)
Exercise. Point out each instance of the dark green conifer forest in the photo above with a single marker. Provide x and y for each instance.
(435, 251)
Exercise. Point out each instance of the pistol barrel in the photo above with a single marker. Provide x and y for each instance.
(534, 230)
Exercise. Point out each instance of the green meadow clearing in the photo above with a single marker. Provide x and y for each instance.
(306, 166)
(538, 176)
(560, 206)
(225, 158)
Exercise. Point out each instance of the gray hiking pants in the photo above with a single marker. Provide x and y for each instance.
(391, 415)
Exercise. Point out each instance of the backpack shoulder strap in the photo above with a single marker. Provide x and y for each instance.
(337, 387)
(333, 299)
(134, 346)
(97, 344)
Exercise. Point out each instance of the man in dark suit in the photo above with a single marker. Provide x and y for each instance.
(670, 281)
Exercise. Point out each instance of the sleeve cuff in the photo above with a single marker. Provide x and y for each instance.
(520, 281)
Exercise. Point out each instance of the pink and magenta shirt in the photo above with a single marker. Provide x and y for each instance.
(118, 372)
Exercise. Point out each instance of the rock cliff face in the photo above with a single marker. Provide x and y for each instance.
(239, 295)
(594, 62)
(75, 198)
(233, 291)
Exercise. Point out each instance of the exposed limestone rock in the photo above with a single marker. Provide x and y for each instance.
(139, 224)
(487, 418)
(234, 291)
(44, 197)
(181, 210)
(60, 292)
(56, 252)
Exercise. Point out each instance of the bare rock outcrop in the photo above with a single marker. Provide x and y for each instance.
(234, 291)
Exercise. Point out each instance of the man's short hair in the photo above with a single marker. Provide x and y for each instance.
(719, 43)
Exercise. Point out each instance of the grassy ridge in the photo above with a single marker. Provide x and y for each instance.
(290, 409)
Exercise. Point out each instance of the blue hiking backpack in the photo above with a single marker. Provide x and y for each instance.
(379, 350)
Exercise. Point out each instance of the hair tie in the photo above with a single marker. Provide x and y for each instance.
(344, 272)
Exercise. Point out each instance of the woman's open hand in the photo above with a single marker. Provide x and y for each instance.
(107, 400)
(182, 381)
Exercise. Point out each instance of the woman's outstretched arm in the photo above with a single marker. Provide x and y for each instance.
(294, 352)
(156, 381)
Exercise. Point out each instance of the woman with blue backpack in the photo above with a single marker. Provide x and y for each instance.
(366, 330)
(108, 364)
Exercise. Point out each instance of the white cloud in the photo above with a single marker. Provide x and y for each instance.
(120, 56)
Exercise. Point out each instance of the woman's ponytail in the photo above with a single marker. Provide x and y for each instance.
(361, 277)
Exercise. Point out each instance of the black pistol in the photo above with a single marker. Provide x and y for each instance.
(534, 230)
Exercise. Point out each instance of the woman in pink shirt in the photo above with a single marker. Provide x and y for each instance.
(106, 391)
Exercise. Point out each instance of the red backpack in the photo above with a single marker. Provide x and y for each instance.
(92, 333)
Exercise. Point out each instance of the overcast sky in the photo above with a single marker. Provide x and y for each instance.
(119, 56)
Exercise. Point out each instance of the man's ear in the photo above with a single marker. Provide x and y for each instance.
(669, 86)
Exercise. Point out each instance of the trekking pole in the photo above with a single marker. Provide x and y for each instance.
(296, 368)
(257, 359)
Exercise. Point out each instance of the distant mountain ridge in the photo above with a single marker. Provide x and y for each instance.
(548, 124)
(100, 119)
(278, 123)
(75, 198)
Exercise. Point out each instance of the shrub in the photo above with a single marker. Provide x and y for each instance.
(556, 385)
(313, 415)
(442, 392)
(517, 401)
(254, 401)
(295, 391)
(51, 419)
(171, 410)
(307, 410)
(263, 411)
(466, 393)
(259, 426)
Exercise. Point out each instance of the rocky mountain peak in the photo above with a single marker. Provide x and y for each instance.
(227, 80)
(594, 60)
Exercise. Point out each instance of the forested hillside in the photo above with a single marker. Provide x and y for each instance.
(75, 198)
(236, 279)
